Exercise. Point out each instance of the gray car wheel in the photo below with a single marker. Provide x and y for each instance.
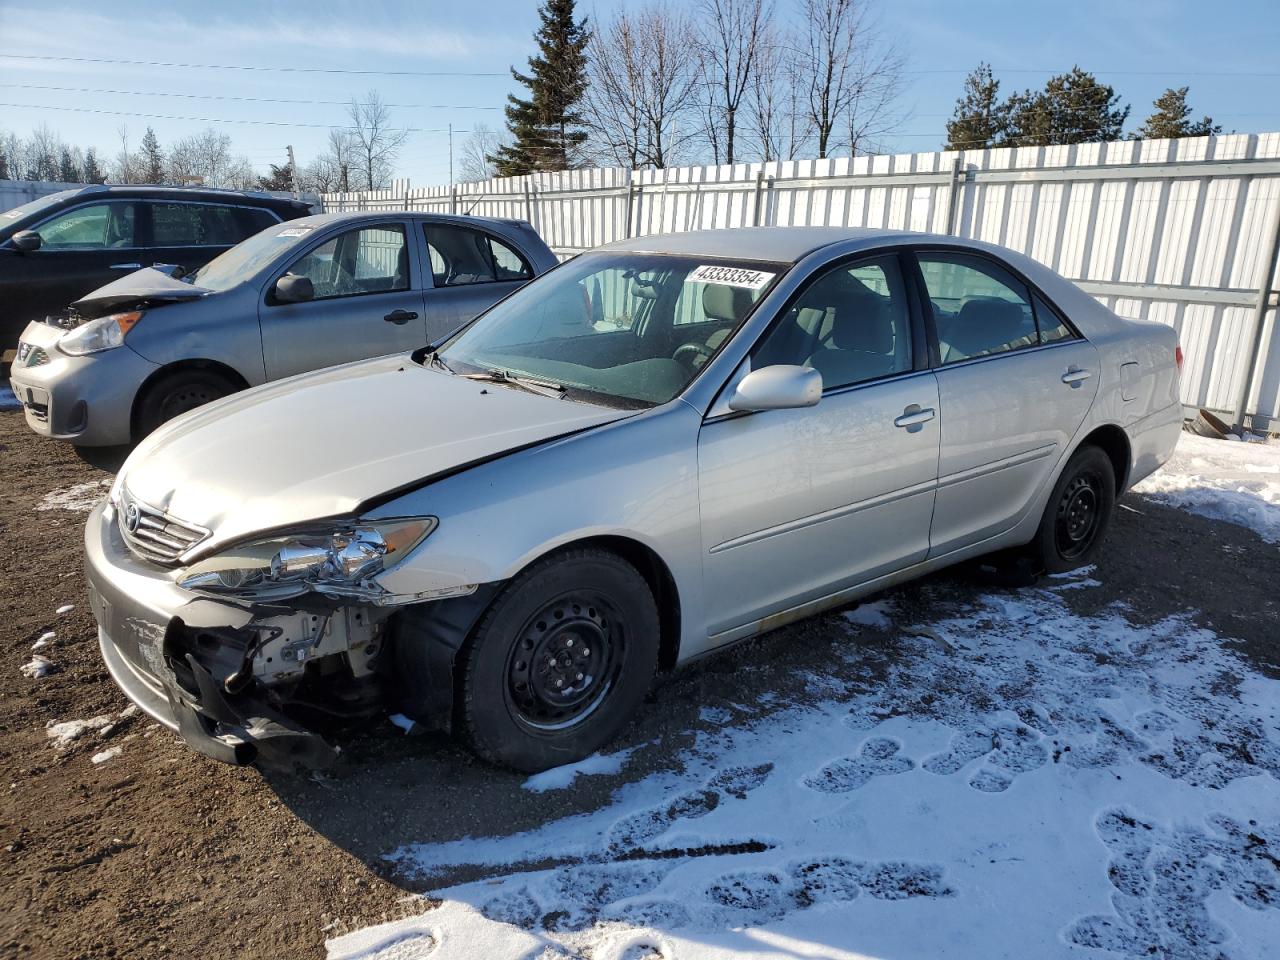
(559, 661)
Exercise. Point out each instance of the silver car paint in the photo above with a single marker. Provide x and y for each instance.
(673, 479)
(238, 330)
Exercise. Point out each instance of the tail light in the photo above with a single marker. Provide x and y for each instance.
(1177, 357)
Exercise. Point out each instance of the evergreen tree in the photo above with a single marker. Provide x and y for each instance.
(4, 166)
(92, 173)
(546, 128)
(68, 169)
(1073, 108)
(1172, 118)
(151, 160)
(281, 178)
(980, 118)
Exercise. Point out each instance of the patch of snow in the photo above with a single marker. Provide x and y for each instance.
(9, 400)
(106, 755)
(65, 733)
(557, 778)
(1012, 779)
(401, 721)
(1238, 483)
(65, 608)
(38, 668)
(127, 712)
(46, 637)
(79, 498)
(40, 644)
(869, 614)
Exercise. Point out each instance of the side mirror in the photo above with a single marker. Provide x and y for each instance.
(780, 387)
(291, 289)
(26, 241)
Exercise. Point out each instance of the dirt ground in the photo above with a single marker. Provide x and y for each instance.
(159, 852)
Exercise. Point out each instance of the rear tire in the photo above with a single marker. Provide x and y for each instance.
(559, 661)
(178, 392)
(1078, 512)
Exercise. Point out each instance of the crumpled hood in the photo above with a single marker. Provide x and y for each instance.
(148, 284)
(320, 444)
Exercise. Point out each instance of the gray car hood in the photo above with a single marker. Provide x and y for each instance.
(321, 444)
(147, 284)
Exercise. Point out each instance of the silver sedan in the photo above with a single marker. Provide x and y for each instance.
(659, 448)
(298, 296)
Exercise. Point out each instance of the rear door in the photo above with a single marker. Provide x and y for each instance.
(190, 233)
(1014, 384)
(470, 269)
(368, 301)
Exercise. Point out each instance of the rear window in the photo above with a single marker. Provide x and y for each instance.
(204, 225)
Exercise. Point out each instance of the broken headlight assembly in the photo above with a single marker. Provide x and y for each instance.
(105, 333)
(336, 562)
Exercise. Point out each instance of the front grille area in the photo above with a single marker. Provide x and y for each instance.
(152, 534)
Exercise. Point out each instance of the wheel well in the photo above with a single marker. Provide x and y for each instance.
(211, 366)
(658, 576)
(1112, 441)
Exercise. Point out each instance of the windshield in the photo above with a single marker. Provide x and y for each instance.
(244, 260)
(625, 329)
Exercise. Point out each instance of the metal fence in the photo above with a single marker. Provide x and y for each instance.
(14, 193)
(1175, 231)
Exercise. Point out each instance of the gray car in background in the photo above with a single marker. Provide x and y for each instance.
(295, 297)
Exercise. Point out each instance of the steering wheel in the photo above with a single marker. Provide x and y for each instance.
(692, 355)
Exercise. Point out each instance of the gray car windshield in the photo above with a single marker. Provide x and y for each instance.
(624, 329)
(230, 269)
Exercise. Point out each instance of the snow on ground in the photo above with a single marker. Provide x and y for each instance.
(1222, 480)
(8, 401)
(1012, 780)
(68, 731)
(557, 778)
(81, 497)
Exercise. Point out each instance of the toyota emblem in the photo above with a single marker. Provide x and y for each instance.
(131, 518)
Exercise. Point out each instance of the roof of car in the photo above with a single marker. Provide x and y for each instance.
(777, 244)
(257, 197)
(322, 219)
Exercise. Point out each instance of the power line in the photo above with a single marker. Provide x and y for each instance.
(166, 116)
(215, 96)
(1116, 73)
(236, 66)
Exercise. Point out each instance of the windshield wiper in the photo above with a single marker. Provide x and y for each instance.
(546, 388)
(428, 355)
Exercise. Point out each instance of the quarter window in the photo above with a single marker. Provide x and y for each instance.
(196, 225)
(979, 309)
(97, 226)
(461, 256)
(361, 261)
(852, 324)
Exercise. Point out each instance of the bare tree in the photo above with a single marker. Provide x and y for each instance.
(331, 170)
(776, 115)
(730, 43)
(376, 143)
(850, 77)
(643, 78)
(122, 168)
(206, 158)
(474, 164)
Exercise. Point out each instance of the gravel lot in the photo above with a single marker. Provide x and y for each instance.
(156, 851)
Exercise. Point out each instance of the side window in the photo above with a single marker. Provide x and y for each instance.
(361, 261)
(1049, 323)
(852, 324)
(252, 220)
(979, 308)
(194, 225)
(461, 256)
(98, 226)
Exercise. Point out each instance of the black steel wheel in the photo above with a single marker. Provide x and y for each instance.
(559, 661)
(176, 394)
(1078, 511)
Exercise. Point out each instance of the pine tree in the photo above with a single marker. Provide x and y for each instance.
(4, 166)
(1172, 118)
(281, 178)
(92, 173)
(1073, 108)
(980, 118)
(152, 160)
(68, 169)
(547, 127)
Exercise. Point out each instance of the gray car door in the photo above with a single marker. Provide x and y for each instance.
(799, 504)
(470, 269)
(1015, 383)
(368, 301)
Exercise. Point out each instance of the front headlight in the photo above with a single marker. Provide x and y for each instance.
(95, 336)
(337, 562)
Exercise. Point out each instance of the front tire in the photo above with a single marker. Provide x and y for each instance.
(559, 661)
(176, 393)
(1078, 512)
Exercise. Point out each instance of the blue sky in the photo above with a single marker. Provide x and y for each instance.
(1225, 51)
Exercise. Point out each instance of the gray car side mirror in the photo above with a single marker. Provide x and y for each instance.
(779, 387)
(26, 241)
(291, 289)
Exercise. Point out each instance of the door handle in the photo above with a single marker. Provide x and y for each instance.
(400, 317)
(126, 266)
(914, 415)
(1075, 376)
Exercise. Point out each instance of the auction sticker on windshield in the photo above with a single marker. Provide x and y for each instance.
(730, 276)
(295, 232)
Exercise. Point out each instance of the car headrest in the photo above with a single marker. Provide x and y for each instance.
(644, 288)
(861, 317)
(721, 302)
(983, 324)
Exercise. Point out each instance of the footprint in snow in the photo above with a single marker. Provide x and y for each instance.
(877, 758)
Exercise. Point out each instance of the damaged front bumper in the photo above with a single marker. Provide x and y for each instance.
(184, 659)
